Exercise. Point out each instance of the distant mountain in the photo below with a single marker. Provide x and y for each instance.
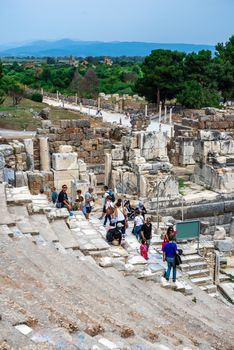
(67, 47)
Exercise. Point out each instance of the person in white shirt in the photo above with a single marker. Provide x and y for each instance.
(138, 223)
(121, 216)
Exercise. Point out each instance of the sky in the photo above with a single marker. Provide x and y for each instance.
(162, 21)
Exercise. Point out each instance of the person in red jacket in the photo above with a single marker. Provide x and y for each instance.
(144, 249)
(170, 232)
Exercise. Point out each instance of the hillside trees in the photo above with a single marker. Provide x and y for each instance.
(224, 62)
(200, 87)
(162, 75)
(2, 94)
(86, 86)
(194, 95)
(196, 80)
(16, 92)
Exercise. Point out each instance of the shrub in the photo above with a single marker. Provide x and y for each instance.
(36, 96)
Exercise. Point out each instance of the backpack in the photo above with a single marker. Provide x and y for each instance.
(112, 195)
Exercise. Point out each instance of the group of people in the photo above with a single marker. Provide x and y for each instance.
(117, 212)
(82, 203)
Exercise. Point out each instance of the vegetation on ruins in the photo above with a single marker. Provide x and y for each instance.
(195, 79)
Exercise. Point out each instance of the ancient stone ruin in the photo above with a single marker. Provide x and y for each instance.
(214, 157)
(65, 287)
(140, 166)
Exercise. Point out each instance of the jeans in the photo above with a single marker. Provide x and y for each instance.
(137, 231)
(170, 264)
(107, 217)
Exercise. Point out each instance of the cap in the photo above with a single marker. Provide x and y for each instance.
(119, 225)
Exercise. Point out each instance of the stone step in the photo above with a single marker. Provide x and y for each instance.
(223, 277)
(201, 280)
(190, 252)
(191, 258)
(6, 230)
(18, 195)
(41, 222)
(85, 342)
(201, 265)
(210, 288)
(58, 338)
(199, 273)
(6, 218)
(64, 235)
(22, 219)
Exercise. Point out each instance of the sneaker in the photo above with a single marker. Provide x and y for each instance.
(165, 282)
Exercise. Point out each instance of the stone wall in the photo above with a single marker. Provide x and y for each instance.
(36, 162)
(89, 143)
(182, 146)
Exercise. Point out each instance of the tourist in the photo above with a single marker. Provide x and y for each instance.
(99, 112)
(169, 253)
(80, 204)
(121, 216)
(79, 193)
(114, 235)
(104, 196)
(62, 201)
(144, 249)
(170, 231)
(54, 195)
(146, 232)
(138, 223)
(109, 210)
(142, 209)
(130, 211)
(89, 199)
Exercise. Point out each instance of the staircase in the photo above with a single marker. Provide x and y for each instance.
(196, 268)
(54, 295)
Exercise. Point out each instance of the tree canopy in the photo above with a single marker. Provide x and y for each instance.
(162, 75)
(195, 79)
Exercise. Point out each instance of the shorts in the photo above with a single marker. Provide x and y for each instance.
(88, 210)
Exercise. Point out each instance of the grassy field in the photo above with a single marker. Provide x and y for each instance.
(20, 117)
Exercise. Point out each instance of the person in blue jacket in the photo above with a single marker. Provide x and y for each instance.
(169, 253)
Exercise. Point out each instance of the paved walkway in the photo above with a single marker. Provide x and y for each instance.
(16, 133)
(111, 117)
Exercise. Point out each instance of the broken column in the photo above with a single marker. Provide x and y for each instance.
(108, 161)
(44, 154)
(146, 110)
(165, 114)
(28, 143)
(170, 116)
(160, 114)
